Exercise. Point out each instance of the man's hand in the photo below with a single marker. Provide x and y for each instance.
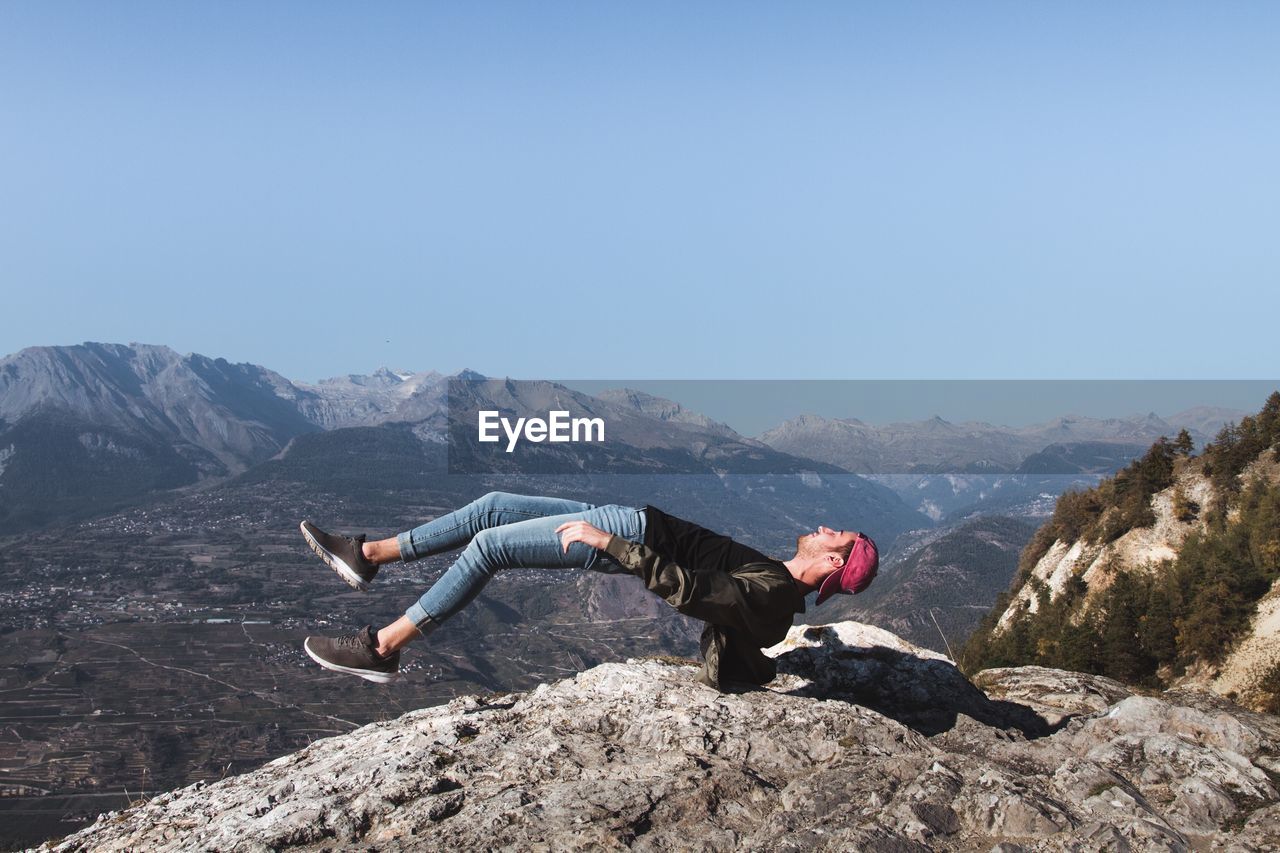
(581, 531)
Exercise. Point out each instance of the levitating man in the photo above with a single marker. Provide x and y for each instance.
(747, 599)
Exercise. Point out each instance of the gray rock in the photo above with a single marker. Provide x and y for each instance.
(863, 743)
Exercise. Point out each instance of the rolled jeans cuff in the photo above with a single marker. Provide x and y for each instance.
(405, 543)
(421, 619)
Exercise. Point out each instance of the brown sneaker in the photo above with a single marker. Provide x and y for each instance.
(343, 554)
(355, 654)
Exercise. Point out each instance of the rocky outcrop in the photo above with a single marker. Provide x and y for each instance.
(1252, 658)
(863, 742)
(1247, 663)
(1141, 549)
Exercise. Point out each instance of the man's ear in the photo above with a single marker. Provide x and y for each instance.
(836, 561)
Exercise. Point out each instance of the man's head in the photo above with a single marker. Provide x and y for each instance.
(835, 561)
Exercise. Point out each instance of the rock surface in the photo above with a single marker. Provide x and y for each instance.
(863, 742)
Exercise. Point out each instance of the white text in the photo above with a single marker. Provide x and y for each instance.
(558, 427)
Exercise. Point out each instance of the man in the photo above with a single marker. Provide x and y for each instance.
(748, 600)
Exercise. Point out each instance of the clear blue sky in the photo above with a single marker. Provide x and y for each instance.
(632, 190)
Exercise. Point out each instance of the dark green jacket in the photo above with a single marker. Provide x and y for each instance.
(746, 609)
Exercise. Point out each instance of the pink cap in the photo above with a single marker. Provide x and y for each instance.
(857, 572)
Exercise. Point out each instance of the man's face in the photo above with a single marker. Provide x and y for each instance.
(824, 540)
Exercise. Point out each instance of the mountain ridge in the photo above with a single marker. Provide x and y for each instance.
(93, 427)
(901, 447)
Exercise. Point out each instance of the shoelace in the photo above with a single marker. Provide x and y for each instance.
(351, 641)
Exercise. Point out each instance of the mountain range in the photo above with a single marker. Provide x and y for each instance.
(88, 428)
(951, 471)
(974, 447)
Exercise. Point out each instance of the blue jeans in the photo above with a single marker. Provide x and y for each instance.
(506, 531)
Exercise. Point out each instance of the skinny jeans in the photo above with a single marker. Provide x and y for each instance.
(507, 531)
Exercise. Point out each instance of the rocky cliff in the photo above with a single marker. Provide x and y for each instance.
(1147, 550)
(863, 742)
(1096, 563)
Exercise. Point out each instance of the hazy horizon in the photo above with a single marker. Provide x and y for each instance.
(752, 406)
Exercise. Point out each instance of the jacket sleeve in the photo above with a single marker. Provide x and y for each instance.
(715, 597)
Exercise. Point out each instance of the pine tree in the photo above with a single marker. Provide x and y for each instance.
(1183, 445)
(1156, 631)
(1203, 633)
(1121, 651)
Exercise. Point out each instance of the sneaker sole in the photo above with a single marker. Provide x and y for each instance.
(335, 562)
(367, 674)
